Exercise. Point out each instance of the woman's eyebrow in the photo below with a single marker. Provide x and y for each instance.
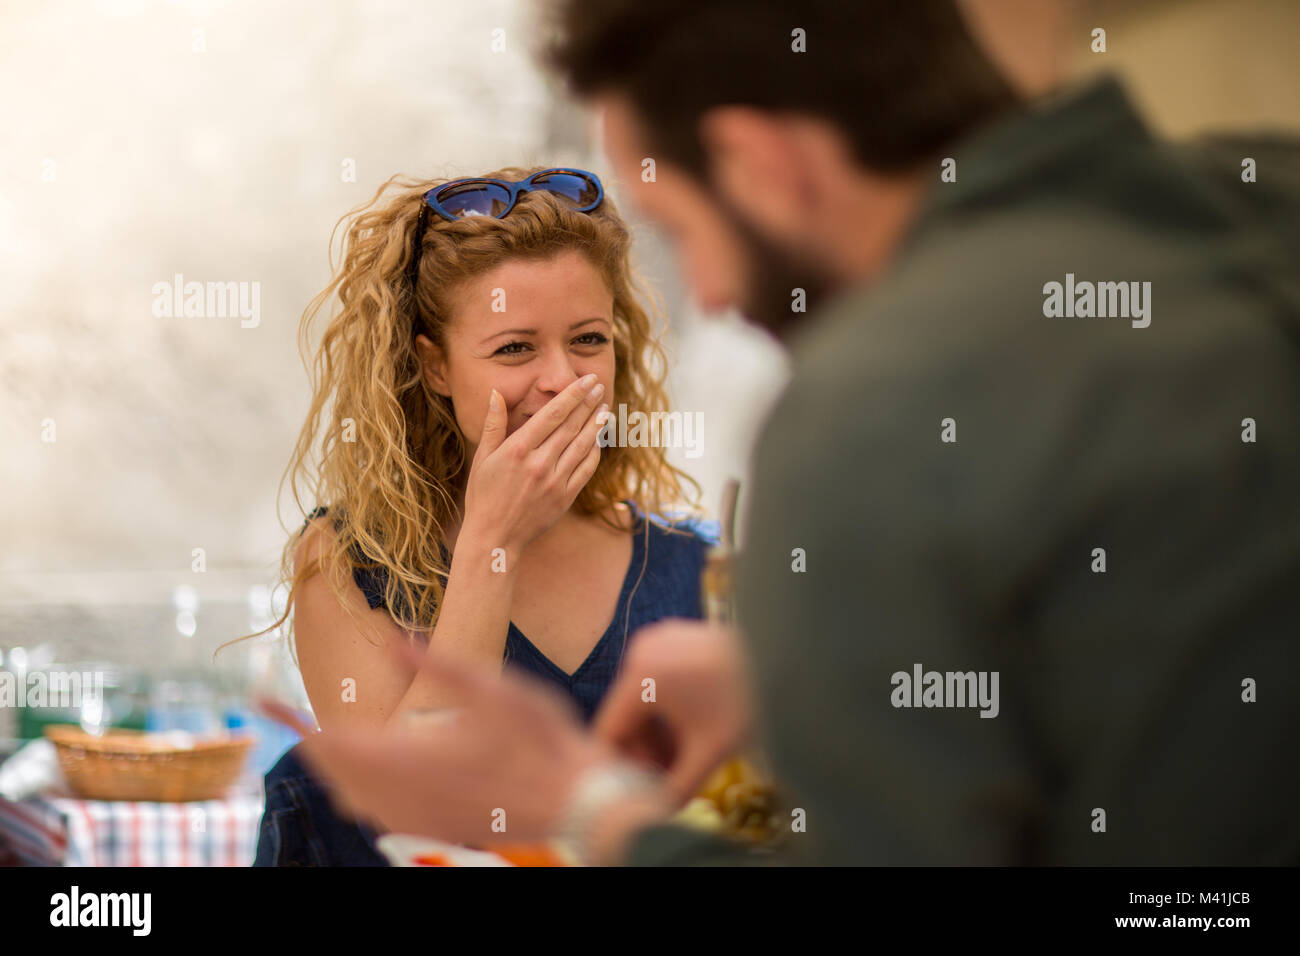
(576, 325)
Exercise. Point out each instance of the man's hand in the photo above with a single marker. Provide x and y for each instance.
(512, 753)
(703, 707)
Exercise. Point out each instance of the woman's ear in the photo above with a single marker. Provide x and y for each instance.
(433, 364)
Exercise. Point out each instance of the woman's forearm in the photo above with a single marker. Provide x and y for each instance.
(475, 616)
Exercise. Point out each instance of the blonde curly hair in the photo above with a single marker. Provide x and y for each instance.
(392, 459)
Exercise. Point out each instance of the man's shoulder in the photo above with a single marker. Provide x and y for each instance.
(943, 323)
(999, 296)
(964, 368)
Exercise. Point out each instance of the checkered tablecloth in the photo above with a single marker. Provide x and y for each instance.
(66, 831)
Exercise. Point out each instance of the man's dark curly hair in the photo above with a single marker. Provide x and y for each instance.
(902, 79)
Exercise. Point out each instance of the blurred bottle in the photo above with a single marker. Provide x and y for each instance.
(717, 581)
(741, 789)
(716, 587)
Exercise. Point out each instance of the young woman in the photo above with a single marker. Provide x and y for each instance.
(485, 328)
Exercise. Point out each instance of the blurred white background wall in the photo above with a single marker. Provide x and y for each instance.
(221, 141)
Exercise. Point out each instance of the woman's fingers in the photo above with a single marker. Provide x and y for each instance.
(582, 474)
(537, 430)
(579, 449)
(494, 426)
(560, 439)
(518, 486)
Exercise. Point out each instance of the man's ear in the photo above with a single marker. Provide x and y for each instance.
(433, 364)
(755, 161)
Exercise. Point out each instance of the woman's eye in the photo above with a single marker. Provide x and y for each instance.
(588, 339)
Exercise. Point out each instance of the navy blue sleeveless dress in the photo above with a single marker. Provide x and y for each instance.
(299, 826)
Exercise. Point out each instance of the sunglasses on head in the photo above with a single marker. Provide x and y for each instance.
(462, 198)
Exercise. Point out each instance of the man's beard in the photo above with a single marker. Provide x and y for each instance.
(773, 274)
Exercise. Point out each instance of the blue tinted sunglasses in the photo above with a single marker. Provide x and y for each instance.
(462, 198)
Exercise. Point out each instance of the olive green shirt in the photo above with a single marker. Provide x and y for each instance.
(1103, 510)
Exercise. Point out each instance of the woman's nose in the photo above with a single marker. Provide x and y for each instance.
(557, 374)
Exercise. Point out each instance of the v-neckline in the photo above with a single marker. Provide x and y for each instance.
(638, 546)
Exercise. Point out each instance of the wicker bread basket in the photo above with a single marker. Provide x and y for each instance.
(130, 765)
